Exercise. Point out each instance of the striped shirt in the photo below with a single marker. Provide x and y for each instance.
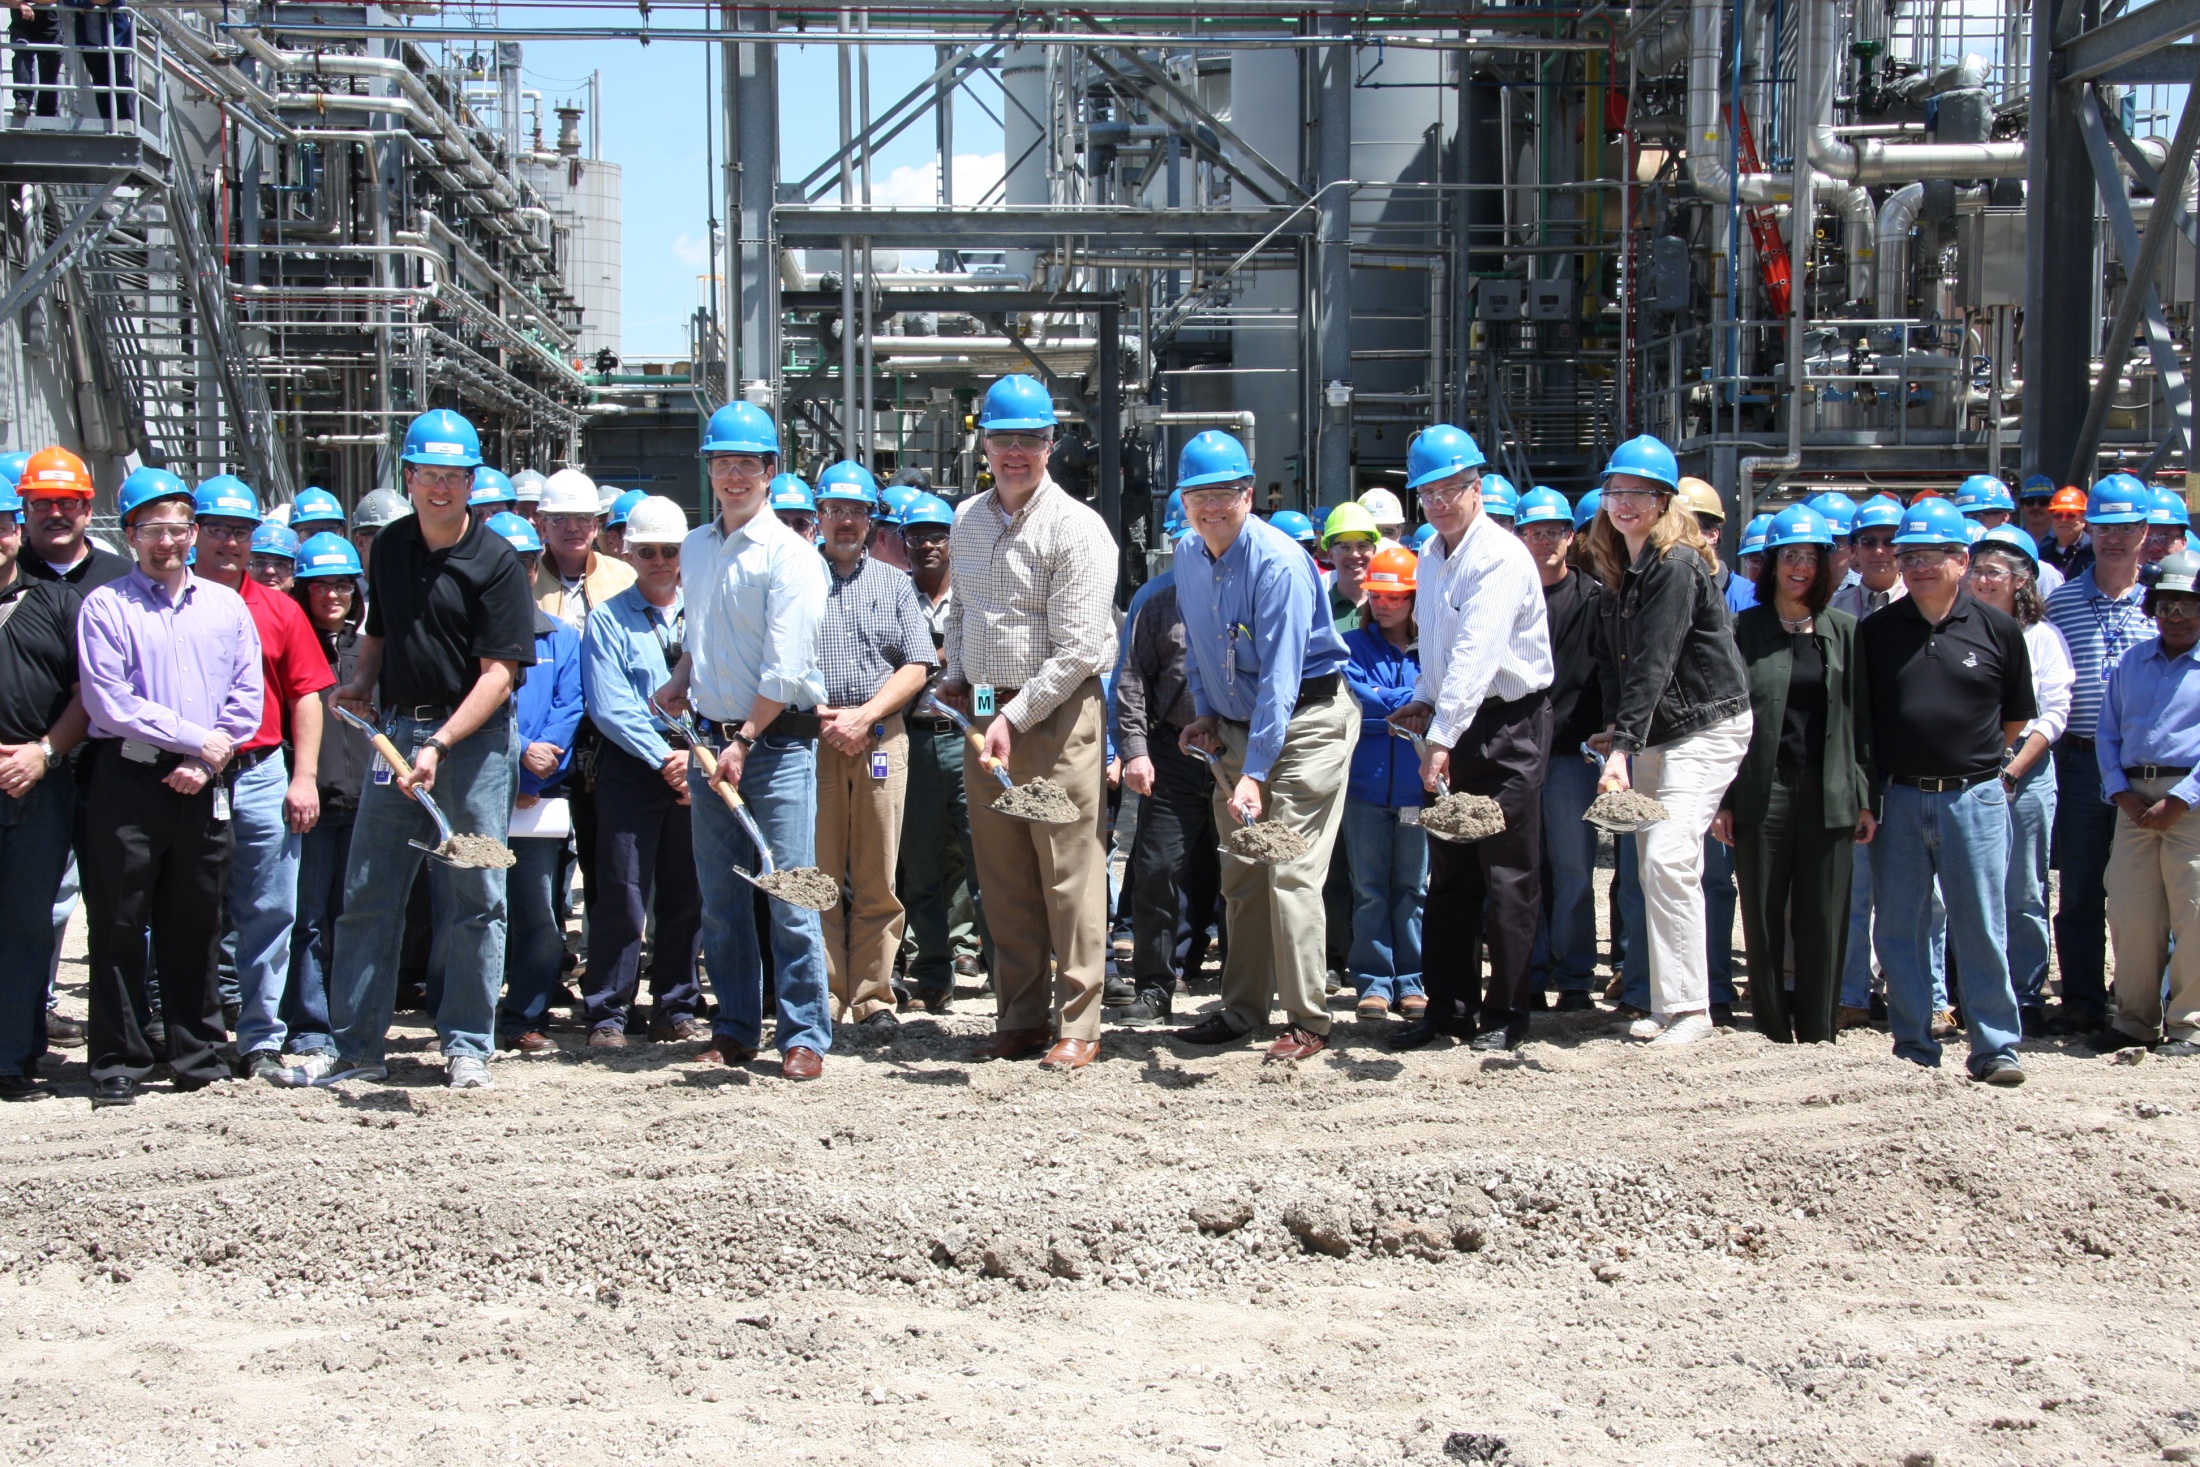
(1034, 600)
(874, 626)
(2099, 631)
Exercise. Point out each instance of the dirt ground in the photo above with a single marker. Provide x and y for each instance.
(1591, 1252)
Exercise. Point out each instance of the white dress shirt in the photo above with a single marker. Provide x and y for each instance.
(2053, 677)
(1484, 634)
(755, 598)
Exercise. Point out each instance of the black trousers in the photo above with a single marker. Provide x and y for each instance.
(1175, 873)
(1491, 891)
(1794, 874)
(645, 854)
(158, 859)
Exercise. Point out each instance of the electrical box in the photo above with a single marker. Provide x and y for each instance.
(1497, 300)
(1671, 279)
(2175, 280)
(1990, 258)
(1550, 300)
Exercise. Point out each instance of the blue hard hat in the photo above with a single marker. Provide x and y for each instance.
(10, 501)
(1017, 404)
(275, 538)
(11, 465)
(1755, 533)
(2016, 537)
(848, 480)
(1172, 515)
(2119, 499)
(2169, 509)
(441, 438)
(1645, 458)
(1973, 531)
(1539, 505)
(516, 531)
(1439, 452)
(894, 501)
(1499, 497)
(1294, 524)
(790, 492)
(1838, 509)
(225, 496)
(1212, 457)
(928, 509)
(1881, 511)
(1798, 524)
(1983, 492)
(624, 503)
(327, 555)
(1586, 507)
(316, 504)
(2038, 486)
(1422, 536)
(491, 487)
(1932, 522)
(146, 485)
(741, 427)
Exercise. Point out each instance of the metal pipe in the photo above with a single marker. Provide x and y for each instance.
(1868, 160)
(1897, 218)
(1242, 423)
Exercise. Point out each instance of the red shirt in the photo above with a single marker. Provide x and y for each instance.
(290, 658)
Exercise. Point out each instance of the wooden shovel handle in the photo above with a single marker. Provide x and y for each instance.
(726, 792)
(388, 751)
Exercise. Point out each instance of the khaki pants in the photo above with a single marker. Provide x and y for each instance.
(1046, 886)
(1278, 926)
(2153, 896)
(858, 842)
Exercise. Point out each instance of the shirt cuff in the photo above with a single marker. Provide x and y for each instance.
(190, 739)
(2188, 790)
(1131, 745)
(2113, 785)
(780, 689)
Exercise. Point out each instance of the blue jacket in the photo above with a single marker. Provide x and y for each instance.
(549, 701)
(1741, 592)
(1385, 770)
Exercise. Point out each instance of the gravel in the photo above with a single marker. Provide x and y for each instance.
(1464, 817)
(1625, 810)
(1266, 843)
(1041, 800)
(478, 851)
(802, 886)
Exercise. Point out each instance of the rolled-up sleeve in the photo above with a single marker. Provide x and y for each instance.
(789, 670)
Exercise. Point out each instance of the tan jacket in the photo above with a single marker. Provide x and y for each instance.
(604, 579)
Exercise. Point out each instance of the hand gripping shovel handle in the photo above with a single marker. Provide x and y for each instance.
(686, 728)
(976, 743)
(1420, 748)
(396, 761)
(1214, 767)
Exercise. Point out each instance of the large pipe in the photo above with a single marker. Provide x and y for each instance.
(1868, 160)
(1240, 423)
(1897, 218)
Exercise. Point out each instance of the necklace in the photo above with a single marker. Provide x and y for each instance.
(1799, 625)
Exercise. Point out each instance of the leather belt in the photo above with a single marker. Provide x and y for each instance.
(2156, 771)
(423, 712)
(926, 723)
(252, 758)
(792, 723)
(1934, 784)
(2075, 741)
(1317, 690)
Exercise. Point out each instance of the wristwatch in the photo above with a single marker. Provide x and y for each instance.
(742, 739)
(45, 747)
(442, 750)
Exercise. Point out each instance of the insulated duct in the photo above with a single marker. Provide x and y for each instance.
(1897, 217)
(1869, 160)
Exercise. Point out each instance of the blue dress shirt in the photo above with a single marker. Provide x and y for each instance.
(1256, 625)
(2150, 715)
(622, 664)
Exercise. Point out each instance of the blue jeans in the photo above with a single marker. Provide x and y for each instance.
(1389, 862)
(534, 949)
(1960, 841)
(34, 850)
(2031, 818)
(1719, 897)
(322, 858)
(263, 900)
(474, 789)
(1856, 972)
(2085, 827)
(1566, 939)
(779, 785)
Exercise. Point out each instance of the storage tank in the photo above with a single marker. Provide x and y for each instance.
(583, 195)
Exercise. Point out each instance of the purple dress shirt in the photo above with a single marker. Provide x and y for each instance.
(169, 674)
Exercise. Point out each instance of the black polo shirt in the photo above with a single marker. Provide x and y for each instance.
(87, 575)
(1940, 694)
(439, 612)
(37, 657)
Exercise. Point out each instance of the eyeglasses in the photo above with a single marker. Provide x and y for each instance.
(746, 465)
(160, 533)
(654, 552)
(1922, 559)
(1220, 498)
(1351, 549)
(2174, 607)
(929, 535)
(1988, 575)
(215, 530)
(566, 522)
(1630, 496)
(1799, 555)
(844, 509)
(1435, 494)
(439, 478)
(1875, 542)
(1018, 442)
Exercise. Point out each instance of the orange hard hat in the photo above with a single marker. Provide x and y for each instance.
(2066, 499)
(1393, 571)
(54, 472)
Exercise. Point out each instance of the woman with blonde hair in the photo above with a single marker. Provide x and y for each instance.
(1679, 703)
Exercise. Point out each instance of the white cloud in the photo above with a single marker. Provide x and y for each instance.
(691, 251)
(920, 185)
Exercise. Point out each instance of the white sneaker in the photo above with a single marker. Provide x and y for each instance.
(1643, 1028)
(469, 1072)
(323, 1068)
(1686, 1029)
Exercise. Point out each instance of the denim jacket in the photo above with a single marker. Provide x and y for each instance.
(1666, 651)
(1385, 770)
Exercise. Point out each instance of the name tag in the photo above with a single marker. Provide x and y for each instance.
(383, 774)
(221, 802)
(1409, 814)
(137, 751)
(881, 766)
(981, 700)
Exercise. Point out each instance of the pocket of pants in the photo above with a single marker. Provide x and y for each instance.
(1989, 793)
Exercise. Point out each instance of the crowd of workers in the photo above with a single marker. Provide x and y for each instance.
(257, 745)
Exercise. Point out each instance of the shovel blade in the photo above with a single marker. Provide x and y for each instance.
(435, 853)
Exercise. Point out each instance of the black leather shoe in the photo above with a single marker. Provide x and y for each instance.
(1575, 1001)
(1214, 1029)
(2108, 1041)
(1151, 1008)
(20, 1087)
(1722, 1015)
(1421, 1032)
(1497, 1041)
(114, 1090)
(63, 1032)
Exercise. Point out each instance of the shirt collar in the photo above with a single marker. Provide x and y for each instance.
(2160, 653)
(2094, 592)
(154, 592)
(862, 560)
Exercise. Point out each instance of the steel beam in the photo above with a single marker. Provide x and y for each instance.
(2058, 320)
(818, 226)
(2127, 39)
(753, 154)
(976, 302)
(2144, 172)
(1266, 193)
(1169, 86)
(1330, 280)
(2170, 66)
(895, 120)
(81, 234)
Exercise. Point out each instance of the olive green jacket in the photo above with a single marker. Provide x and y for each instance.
(1766, 663)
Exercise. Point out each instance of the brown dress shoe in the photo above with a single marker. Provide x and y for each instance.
(1849, 1016)
(534, 1041)
(1071, 1054)
(1296, 1044)
(1013, 1043)
(726, 1052)
(679, 1031)
(801, 1063)
(607, 1039)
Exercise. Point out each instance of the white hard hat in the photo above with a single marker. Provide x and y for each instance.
(568, 491)
(528, 485)
(606, 496)
(279, 513)
(656, 521)
(1384, 506)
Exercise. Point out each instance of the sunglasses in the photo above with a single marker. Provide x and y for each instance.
(654, 552)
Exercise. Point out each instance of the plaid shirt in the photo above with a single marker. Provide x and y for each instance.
(874, 626)
(1034, 603)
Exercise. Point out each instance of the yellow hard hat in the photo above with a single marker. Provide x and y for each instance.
(1701, 498)
(1350, 518)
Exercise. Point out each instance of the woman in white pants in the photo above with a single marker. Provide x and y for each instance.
(1679, 703)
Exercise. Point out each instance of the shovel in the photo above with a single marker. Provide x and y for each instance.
(1000, 771)
(1246, 822)
(790, 887)
(1608, 811)
(1443, 788)
(450, 852)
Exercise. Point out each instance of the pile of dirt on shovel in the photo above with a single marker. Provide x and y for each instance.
(802, 886)
(481, 852)
(1625, 807)
(1464, 817)
(1266, 843)
(1042, 800)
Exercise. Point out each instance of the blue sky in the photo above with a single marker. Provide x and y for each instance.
(655, 111)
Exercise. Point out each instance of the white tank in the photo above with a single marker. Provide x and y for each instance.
(588, 210)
